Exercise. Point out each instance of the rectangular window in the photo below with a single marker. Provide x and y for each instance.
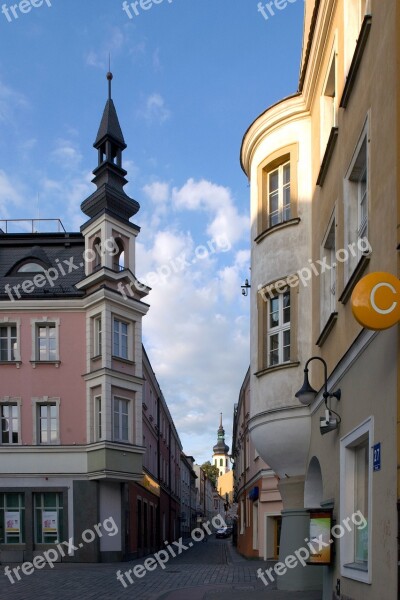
(98, 417)
(356, 492)
(97, 346)
(9, 423)
(8, 343)
(356, 204)
(279, 195)
(48, 517)
(328, 275)
(12, 518)
(120, 341)
(329, 104)
(48, 423)
(121, 420)
(279, 329)
(46, 342)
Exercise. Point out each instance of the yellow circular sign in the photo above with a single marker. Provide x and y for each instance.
(375, 301)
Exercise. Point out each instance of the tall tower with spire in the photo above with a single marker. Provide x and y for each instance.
(221, 451)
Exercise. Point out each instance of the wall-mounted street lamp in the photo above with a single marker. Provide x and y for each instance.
(306, 395)
(245, 288)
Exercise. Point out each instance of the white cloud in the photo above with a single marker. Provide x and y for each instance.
(196, 334)
(158, 192)
(154, 110)
(225, 220)
(10, 101)
(116, 40)
(66, 155)
(12, 194)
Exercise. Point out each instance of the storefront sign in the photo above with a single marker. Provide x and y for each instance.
(12, 522)
(49, 522)
(320, 531)
(151, 485)
(376, 301)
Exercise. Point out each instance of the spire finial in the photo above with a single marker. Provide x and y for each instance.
(109, 78)
(221, 421)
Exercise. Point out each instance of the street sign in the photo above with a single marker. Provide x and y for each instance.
(377, 456)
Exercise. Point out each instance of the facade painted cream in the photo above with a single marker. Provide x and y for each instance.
(344, 194)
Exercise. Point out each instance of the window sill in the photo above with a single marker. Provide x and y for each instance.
(355, 63)
(279, 367)
(123, 360)
(327, 329)
(34, 363)
(277, 227)
(330, 147)
(354, 278)
(357, 567)
(97, 357)
(17, 363)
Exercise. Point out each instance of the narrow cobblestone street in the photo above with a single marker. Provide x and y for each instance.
(207, 571)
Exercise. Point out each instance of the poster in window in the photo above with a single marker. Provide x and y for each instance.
(49, 522)
(12, 521)
(320, 535)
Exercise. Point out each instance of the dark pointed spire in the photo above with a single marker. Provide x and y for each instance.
(109, 126)
(109, 174)
(221, 447)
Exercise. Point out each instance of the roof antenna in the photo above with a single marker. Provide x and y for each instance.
(109, 77)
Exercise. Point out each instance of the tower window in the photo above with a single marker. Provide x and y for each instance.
(119, 258)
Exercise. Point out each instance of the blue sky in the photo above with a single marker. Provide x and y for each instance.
(189, 78)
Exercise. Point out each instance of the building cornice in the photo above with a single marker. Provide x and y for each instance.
(282, 113)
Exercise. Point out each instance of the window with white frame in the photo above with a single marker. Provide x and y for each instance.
(97, 334)
(121, 420)
(48, 423)
(329, 103)
(46, 342)
(8, 343)
(356, 494)
(356, 203)
(10, 423)
(120, 338)
(98, 418)
(328, 274)
(355, 11)
(278, 329)
(278, 194)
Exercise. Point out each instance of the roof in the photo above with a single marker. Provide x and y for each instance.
(109, 126)
(61, 254)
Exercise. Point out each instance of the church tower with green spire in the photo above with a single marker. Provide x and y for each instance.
(221, 452)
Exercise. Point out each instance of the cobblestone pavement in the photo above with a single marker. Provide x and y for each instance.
(207, 571)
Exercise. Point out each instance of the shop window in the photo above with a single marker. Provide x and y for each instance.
(48, 517)
(12, 518)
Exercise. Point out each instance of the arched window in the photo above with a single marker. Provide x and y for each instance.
(31, 267)
(97, 253)
(119, 257)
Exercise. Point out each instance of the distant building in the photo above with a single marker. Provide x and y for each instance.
(188, 495)
(256, 489)
(221, 452)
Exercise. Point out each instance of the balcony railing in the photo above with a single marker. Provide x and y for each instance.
(31, 226)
